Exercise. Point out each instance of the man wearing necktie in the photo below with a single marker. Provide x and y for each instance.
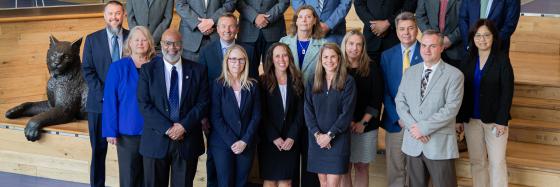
(101, 49)
(394, 62)
(443, 15)
(156, 15)
(427, 103)
(212, 56)
(173, 98)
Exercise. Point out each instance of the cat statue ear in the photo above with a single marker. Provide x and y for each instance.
(53, 40)
(76, 45)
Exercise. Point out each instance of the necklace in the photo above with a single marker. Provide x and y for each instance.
(303, 49)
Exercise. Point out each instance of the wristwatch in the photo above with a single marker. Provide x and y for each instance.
(365, 123)
(331, 134)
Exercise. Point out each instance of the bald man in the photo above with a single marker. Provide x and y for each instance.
(172, 96)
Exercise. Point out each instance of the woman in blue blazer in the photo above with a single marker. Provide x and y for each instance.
(234, 118)
(330, 101)
(121, 119)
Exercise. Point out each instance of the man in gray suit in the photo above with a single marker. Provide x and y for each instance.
(262, 23)
(198, 18)
(429, 116)
(443, 15)
(156, 15)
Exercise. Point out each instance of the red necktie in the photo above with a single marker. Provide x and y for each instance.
(442, 10)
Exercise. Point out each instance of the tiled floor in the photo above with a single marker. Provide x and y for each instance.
(16, 180)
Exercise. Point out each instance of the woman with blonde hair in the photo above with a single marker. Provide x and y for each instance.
(329, 104)
(363, 128)
(234, 117)
(122, 123)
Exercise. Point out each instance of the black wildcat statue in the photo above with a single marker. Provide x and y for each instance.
(66, 91)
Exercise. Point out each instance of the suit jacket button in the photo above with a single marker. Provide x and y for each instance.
(420, 112)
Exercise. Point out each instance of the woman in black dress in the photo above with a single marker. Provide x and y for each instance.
(329, 106)
(369, 85)
(282, 90)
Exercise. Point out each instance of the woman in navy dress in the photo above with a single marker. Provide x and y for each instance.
(329, 108)
(282, 90)
(234, 118)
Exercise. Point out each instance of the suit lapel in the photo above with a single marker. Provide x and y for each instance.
(159, 81)
(244, 97)
(293, 48)
(313, 49)
(416, 58)
(103, 40)
(398, 56)
(233, 101)
(187, 77)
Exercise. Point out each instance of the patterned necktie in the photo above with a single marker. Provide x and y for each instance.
(406, 60)
(321, 5)
(425, 80)
(224, 50)
(115, 54)
(442, 11)
(174, 96)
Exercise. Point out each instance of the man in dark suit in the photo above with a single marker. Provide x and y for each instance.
(101, 48)
(156, 16)
(212, 56)
(443, 15)
(379, 29)
(262, 24)
(394, 62)
(173, 97)
(504, 13)
(197, 23)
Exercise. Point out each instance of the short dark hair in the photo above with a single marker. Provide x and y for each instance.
(405, 16)
(113, 2)
(229, 15)
(434, 32)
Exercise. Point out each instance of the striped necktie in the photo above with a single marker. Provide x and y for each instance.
(115, 54)
(425, 81)
(321, 2)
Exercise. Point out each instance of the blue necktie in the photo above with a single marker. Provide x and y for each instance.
(224, 50)
(174, 96)
(115, 54)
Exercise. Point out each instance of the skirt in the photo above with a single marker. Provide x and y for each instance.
(363, 147)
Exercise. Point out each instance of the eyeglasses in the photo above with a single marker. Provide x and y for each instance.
(170, 43)
(238, 60)
(480, 36)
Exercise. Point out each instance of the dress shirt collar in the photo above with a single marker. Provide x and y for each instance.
(225, 44)
(412, 48)
(169, 66)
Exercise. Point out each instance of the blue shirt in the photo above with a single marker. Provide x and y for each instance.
(302, 45)
(121, 115)
(476, 89)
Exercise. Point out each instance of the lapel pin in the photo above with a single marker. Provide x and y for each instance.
(186, 77)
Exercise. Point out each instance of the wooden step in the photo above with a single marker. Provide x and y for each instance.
(537, 91)
(532, 131)
(528, 164)
(467, 182)
(536, 109)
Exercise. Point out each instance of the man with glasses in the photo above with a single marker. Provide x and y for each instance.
(212, 56)
(101, 49)
(173, 97)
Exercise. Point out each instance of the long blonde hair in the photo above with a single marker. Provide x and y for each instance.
(363, 60)
(226, 77)
(127, 51)
(339, 79)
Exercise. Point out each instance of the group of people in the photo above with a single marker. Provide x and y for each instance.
(312, 114)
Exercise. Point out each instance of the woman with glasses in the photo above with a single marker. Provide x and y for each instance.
(234, 117)
(330, 99)
(121, 119)
(282, 90)
(486, 105)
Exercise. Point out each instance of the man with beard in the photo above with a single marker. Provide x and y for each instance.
(101, 49)
(212, 56)
(173, 97)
